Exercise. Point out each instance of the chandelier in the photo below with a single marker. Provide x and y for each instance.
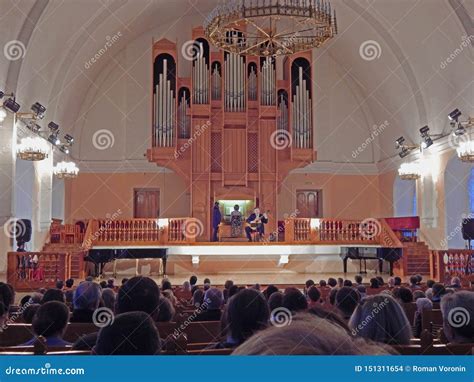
(409, 171)
(270, 27)
(32, 149)
(65, 170)
(466, 151)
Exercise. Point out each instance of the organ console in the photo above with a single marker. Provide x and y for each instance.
(240, 123)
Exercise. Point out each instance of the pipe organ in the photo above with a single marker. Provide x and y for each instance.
(217, 127)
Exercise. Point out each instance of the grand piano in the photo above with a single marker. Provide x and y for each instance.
(371, 253)
(101, 256)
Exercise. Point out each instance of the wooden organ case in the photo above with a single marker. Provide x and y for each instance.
(232, 129)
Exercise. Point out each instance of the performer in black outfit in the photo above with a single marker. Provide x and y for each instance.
(255, 223)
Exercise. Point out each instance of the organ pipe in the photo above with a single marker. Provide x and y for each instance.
(267, 93)
(184, 120)
(216, 83)
(234, 82)
(165, 108)
(301, 113)
(252, 84)
(282, 123)
(200, 78)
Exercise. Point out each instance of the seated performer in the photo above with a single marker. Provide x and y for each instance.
(236, 222)
(255, 223)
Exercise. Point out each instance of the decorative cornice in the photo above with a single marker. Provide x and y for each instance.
(120, 166)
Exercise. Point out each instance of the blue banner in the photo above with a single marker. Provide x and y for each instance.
(232, 368)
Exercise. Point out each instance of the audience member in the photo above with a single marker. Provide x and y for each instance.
(198, 298)
(275, 301)
(332, 282)
(397, 281)
(269, 291)
(246, 314)
(455, 283)
(111, 283)
(421, 305)
(50, 321)
(405, 295)
(381, 281)
(139, 294)
(213, 302)
(166, 285)
(388, 323)
(69, 292)
(347, 283)
(358, 279)
(347, 300)
(124, 280)
(438, 291)
(53, 295)
(108, 298)
(294, 300)
(458, 316)
(414, 283)
(430, 283)
(29, 312)
(166, 310)
(418, 294)
(362, 291)
(193, 280)
(332, 296)
(322, 283)
(85, 301)
(7, 295)
(132, 333)
(314, 296)
(60, 285)
(374, 283)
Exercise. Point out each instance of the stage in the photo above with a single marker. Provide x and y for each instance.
(246, 262)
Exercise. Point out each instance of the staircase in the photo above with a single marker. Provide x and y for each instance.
(416, 258)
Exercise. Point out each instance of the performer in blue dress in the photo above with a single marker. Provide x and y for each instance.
(255, 223)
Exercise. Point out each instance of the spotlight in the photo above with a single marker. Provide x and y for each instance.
(38, 109)
(425, 136)
(69, 139)
(404, 152)
(11, 105)
(459, 130)
(54, 140)
(64, 149)
(399, 142)
(54, 127)
(454, 115)
(33, 126)
(1, 94)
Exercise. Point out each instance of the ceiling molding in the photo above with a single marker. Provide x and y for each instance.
(120, 167)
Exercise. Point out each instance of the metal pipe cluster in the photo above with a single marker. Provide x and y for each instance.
(267, 85)
(165, 109)
(200, 78)
(301, 114)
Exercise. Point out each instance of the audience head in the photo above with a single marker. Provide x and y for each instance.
(193, 280)
(322, 283)
(380, 280)
(207, 281)
(7, 294)
(438, 291)
(347, 283)
(186, 286)
(332, 282)
(103, 284)
(307, 335)
(346, 301)
(423, 304)
(430, 283)
(111, 283)
(247, 313)
(59, 284)
(340, 282)
(309, 283)
(275, 301)
(139, 294)
(228, 284)
(419, 278)
(108, 298)
(358, 279)
(213, 298)
(166, 310)
(332, 296)
(374, 283)
(29, 312)
(391, 282)
(25, 300)
(50, 320)
(314, 294)
(456, 282)
(69, 283)
(53, 295)
(362, 291)
(397, 281)
(87, 296)
(234, 289)
(132, 333)
(165, 285)
(418, 294)
(458, 316)
(388, 323)
(269, 291)
(124, 280)
(413, 280)
(405, 295)
(198, 297)
(294, 300)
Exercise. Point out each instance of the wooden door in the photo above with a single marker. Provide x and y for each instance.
(146, 203)
(309, 203)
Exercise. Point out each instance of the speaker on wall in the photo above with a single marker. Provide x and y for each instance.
(468, 229)
(22, 231)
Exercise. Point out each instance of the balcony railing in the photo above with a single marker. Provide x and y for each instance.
(445, 264)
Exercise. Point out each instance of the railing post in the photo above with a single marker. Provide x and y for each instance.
(290, 230)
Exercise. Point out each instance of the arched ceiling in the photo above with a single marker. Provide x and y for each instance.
(406, 84)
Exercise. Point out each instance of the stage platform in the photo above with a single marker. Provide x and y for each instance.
(242, 259)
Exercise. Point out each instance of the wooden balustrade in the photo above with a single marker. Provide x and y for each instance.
(33, 270)
(448, 263)
(141, 231)
(340, 231)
